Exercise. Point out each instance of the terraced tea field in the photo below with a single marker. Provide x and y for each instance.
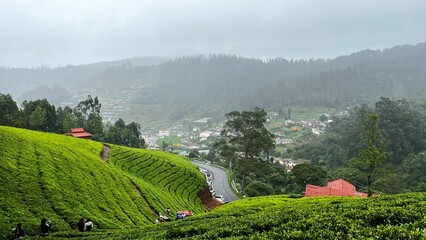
(64, 178)
(280, 217)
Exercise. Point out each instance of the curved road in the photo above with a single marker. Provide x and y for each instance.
(220, 181)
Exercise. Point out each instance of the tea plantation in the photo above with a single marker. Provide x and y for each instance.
(280, 217)
(63, 179)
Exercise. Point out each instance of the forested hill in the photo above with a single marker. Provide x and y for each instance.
(53, 83)
(190, 84)
(215, 84)
(64, 179)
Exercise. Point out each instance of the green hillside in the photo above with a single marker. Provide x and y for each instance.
(64, 178)
(280, 217)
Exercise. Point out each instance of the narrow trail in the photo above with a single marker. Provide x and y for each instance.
(139, 192)
(105, 152)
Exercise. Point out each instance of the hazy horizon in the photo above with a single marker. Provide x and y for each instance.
(59, 33)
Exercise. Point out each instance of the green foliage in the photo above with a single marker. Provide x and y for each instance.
(65, 119)
(64, 178)
(303, 174)
(245, 140)
(414, 169)
(281, 217)
(402, 127)
(345, 149)
(125, 135)
(374, 156)
(39, 115)
(9, 110)
(257, 188)
(88, 116)
(37, 118)
(323, 118)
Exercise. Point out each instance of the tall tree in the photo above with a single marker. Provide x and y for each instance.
(125, 135)
(303, 174)
(9, 112)
(88, 116)
(44, 118)
(245, 139)
(65, 119)
(402, 128)
(373, 155)
(37, 118)
(134, 135)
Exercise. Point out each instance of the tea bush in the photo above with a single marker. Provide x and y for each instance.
(64, 178)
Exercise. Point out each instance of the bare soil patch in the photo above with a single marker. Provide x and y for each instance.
(207, 199)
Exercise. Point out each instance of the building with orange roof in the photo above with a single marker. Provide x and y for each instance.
(79, 133)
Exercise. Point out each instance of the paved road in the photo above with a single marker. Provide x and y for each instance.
(220, 181)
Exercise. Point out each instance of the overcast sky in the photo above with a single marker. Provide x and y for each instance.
(60, 32)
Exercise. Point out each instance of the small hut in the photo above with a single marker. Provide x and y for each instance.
(79, 133)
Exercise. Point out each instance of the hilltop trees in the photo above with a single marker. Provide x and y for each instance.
(9, 110)
(40, 115)
(245, 141)
(125, 135)
(65, 119)
(88, 114)
(355, 146)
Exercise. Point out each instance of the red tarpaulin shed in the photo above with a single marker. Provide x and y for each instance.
(339, 187)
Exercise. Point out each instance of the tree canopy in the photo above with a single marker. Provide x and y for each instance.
(245, 140)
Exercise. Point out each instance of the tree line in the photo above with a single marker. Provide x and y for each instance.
(40, 115)
(400, 145)
(221, 83)
(216, 84)
(246, 147)
(380, 149)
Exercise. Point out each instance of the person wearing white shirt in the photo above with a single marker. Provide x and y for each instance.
(88, 226)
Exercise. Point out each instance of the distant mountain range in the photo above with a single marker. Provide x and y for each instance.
(55, 83)
(212, 85)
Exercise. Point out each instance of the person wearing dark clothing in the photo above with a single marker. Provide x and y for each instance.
(17, 232)
(20, 232)
(45, 227)
(81, 224)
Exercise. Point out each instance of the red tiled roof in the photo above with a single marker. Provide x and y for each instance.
(77, 130)
(81, 135)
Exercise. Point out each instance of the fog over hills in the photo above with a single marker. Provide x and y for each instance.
(61, 32)
(55, 84)
(214, 84)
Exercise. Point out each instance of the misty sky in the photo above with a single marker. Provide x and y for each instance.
(59, 32)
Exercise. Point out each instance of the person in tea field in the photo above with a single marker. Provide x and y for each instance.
(89, 225)
(20, 230)
(45, 227)
(180, 215)
(187, 213)
(17, 232)
(163, 218)
(168, 211)
(80, 224)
